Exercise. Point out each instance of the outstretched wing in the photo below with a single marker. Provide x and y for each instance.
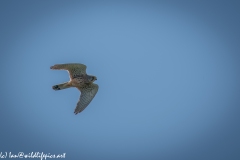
(74, 69)
(87, 94)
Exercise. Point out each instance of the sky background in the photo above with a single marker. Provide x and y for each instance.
(168, 75)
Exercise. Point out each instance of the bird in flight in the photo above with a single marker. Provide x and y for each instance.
(79, 79)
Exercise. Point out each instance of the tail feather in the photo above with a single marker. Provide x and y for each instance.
(61, 86)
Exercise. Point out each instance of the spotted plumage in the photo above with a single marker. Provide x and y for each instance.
(79, 79)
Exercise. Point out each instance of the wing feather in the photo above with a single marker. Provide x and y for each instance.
(88, 92)
(74, 69)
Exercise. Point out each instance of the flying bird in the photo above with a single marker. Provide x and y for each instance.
(79, 79)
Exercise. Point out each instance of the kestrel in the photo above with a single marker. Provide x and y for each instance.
(80, 80)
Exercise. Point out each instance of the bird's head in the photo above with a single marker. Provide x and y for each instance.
(92, 78)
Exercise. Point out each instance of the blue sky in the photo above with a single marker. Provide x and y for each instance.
(168, 76)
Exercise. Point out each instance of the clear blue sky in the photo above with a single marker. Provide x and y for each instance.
(168, 76)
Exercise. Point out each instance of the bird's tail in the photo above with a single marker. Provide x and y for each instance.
(61, 86)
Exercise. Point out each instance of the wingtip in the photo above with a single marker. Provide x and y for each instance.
(54, 66)
(75, 113)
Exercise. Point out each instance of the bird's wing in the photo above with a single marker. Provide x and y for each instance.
(87, 94)
(74, 69)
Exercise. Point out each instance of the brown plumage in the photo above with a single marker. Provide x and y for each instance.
(80, 80)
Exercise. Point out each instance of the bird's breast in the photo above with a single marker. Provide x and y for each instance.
(78, 81)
